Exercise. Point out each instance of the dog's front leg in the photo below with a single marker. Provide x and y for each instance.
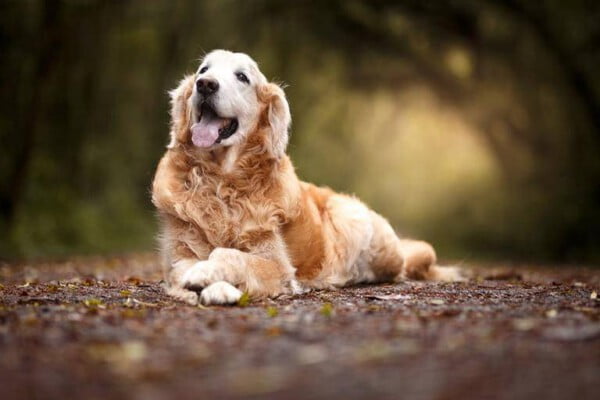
(264, 271)
(179, 286)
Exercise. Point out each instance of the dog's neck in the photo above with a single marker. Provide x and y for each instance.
(226, 157)
(248, 160)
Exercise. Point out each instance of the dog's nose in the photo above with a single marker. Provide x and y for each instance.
(207, 86)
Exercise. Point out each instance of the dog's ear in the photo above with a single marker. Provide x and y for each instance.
(181, 111)
(278, 117)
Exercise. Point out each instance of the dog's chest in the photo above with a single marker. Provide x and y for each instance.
(230, 218)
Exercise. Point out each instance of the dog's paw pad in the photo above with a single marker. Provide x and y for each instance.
(220, 293)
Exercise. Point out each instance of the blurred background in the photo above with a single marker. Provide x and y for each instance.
(474, 124)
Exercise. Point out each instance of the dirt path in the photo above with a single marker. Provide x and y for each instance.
(103, 329)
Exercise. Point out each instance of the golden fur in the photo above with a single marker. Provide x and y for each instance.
(256, 226)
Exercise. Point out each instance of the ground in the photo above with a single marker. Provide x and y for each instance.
(103, 329)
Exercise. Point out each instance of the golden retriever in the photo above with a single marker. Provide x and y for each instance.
(236, 218)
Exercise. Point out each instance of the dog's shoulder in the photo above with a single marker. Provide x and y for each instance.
(169, 182)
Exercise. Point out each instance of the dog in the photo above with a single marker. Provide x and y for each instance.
(236, 219)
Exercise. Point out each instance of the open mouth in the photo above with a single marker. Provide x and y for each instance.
(211, 129)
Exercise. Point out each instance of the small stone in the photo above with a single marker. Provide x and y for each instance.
(134, 350)
(311, 354)
(524, 324)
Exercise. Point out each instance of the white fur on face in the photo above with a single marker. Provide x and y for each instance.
(234, 98)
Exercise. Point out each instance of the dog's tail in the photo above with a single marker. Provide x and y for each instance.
(420, 262)
(444, 274)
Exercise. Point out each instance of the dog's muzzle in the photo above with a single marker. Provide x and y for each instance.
(212, 129)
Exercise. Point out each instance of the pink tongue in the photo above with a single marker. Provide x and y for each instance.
(205, 133)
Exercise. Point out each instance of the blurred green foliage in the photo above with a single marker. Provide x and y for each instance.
(473, 124)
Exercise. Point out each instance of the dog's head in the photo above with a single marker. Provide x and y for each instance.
(226, 101)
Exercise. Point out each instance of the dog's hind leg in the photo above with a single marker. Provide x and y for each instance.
(387, 258)
(397, 259)
(419, 259)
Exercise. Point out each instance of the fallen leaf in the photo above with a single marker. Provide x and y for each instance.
(52, 288)
(133, 313)
(134, 280)
(143, 303)
(445, 313)
(389, 297)
(594, 295)
(30, 320)
(273, 331)
(93, 303)
(212, 323)
(326, 310)
(272, 311)
(244, 300)
(373, 308)
(88, 282)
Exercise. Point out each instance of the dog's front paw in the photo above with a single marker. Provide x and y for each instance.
(201, 275)
(181, 294)
(220, 293)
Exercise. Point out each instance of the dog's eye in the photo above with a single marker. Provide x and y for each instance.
(242, 77)
(203, 70)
